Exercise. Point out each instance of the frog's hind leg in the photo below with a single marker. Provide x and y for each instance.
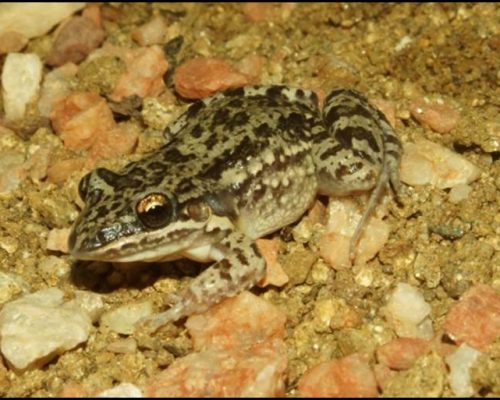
(356, 151)
(238, 267)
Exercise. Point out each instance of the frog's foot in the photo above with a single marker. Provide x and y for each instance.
(238, 266)
(388, 177)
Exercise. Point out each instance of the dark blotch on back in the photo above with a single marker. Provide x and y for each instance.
(235, 92)
(346, 135)
(263, 129)
(238, 119)
(275, 91)
(346, 111)
(156, 166)
(294, 122)
(194, 109)
(107, 176)
(235, 103)
(196, 131)
(220, 117)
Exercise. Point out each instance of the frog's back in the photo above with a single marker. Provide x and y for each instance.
(247, 152)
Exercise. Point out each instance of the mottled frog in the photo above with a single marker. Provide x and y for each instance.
(240, 165)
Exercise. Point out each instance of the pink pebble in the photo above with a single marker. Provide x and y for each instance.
(80, 117)
(144, 77)
(256, 372)
(317, 213)
(236, 322)
(57, 240)
(401, 353)
(439, 117)
(252, 66)
(475, 318)
(203, 76)
(275, 275)
(93, 12)
(74, 41)
(113, 143)
(334, 249)
(350, 376)
(388, 108)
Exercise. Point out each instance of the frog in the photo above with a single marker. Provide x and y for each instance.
(239, 165)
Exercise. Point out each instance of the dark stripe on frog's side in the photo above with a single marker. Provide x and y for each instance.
(346, 136)
(346, 110)
(331, 152)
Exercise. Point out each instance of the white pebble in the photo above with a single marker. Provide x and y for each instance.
(21, 78)
(343, 217)
(427, 163)
(460, 362)
(459, 193)
(122, 319)
(408, 311)
(122, 390)
(90, 302)
(37, 327)
(34, 19)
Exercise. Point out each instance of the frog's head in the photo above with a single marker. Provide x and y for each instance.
(125, 219)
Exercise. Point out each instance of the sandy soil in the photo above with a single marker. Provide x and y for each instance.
(396, 52)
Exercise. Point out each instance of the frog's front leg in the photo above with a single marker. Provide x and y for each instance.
(238, 266)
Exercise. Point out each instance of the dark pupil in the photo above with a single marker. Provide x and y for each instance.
(156, 216)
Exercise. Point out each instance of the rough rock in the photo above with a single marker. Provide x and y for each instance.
(21, 76)
(37, 327)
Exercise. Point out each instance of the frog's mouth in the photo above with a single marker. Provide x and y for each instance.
(177, 240)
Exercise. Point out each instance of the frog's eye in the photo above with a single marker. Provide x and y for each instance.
(155, 210)
(198, 211)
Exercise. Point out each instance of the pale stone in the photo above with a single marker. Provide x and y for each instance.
(428, 163)
(37, 327)
(21, 76)
(122, 390)
(460, 363)
(343, 217)
(459, 193)
(152, 32)
(57, 240)
(408, 312)
(91, 302)
(34, 19)
(122, 319)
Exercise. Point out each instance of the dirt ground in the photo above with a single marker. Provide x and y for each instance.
(396, 52)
